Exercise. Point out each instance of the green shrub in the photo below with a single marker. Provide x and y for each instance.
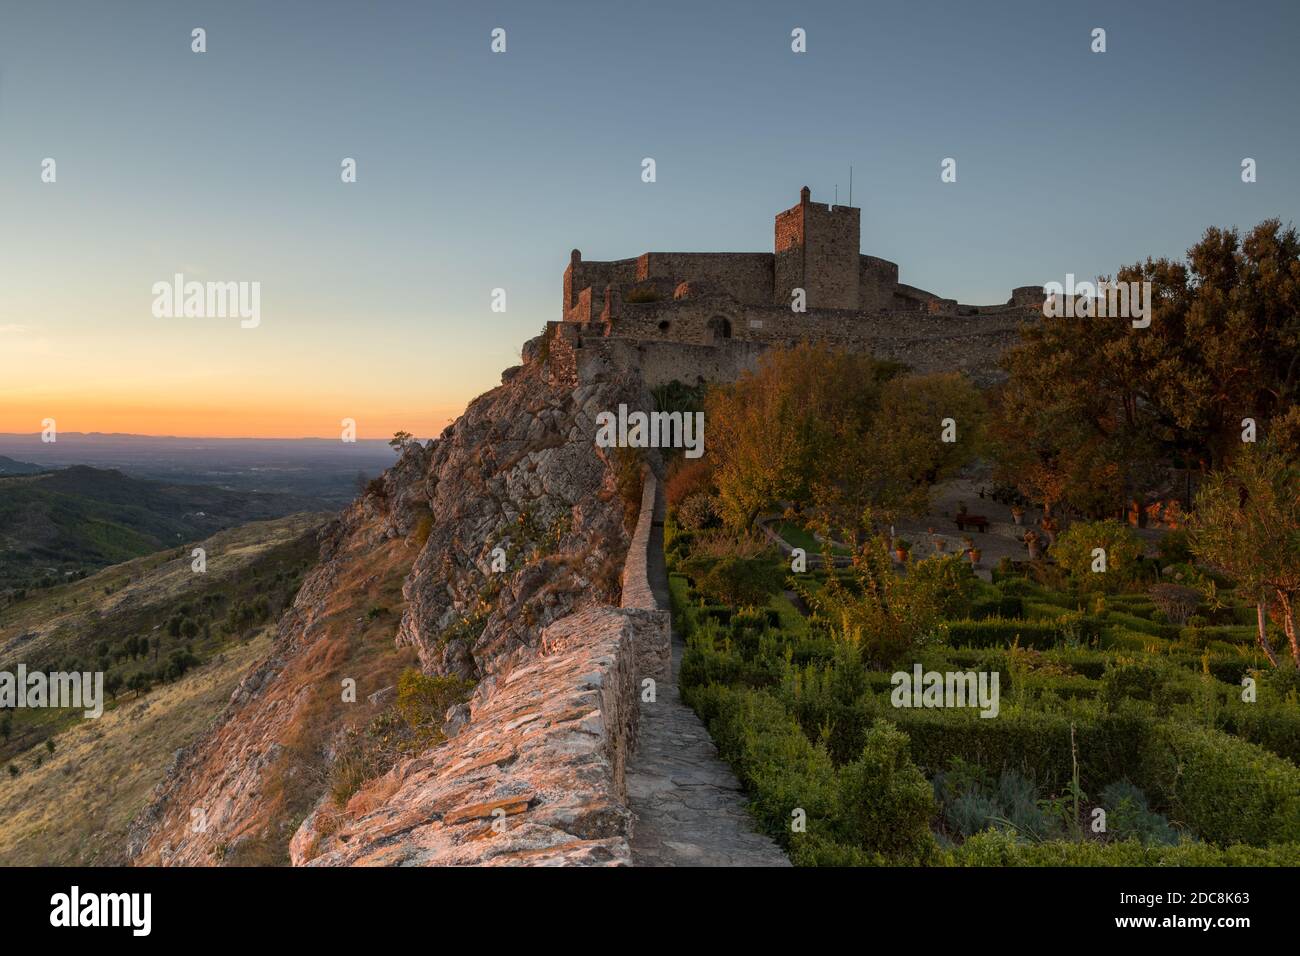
(423, 701)
(1175, 548)
(952, 579)
(1033, 743)
(741, 581)
(699, 511)
(1143, 626)
(781, 770)
(1018, 587)
(1136, 680)
(1073, 551)
(886, 799)
(1005, 606)
(993, 848)
(1227, 790)
(1275, 728)
(1202, 636)
(999, 632)
(875, 809)
(1129, 817)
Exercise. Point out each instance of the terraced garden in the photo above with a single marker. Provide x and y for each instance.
(1122, 738)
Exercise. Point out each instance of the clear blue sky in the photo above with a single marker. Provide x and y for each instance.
(479, 170)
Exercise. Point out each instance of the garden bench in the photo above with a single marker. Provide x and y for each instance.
(978, 522)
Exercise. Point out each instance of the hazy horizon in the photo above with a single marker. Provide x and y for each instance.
(36, 436)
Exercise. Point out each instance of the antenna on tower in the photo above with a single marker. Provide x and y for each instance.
(837, 194)
(850, 185)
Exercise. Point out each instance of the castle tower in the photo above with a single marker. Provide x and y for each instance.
(817, 248)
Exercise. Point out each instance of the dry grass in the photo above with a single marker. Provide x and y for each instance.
(74, 810)
(350, 644)
(54, 617)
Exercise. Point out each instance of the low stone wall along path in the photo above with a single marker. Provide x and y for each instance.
(687, 807)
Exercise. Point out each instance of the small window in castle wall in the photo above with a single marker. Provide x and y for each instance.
(664, 325)
(755, 323)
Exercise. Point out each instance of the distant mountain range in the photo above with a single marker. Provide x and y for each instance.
(57, 524)
(328, 470)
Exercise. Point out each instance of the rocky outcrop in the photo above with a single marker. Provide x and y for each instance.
(516, 481)
(536, 777)
(474, 546)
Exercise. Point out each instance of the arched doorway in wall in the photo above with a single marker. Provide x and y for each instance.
(719, 327)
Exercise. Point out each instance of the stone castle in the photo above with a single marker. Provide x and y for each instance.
(706, 316)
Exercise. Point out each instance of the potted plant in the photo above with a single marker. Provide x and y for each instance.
(939, 545)
(975, 554)
(1050, 527)
(1017, 514)
(901, 549)
(1032, 542)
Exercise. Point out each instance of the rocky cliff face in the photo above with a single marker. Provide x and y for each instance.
(460, 556)
(516, 479)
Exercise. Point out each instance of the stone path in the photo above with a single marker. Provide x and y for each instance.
(687, 806)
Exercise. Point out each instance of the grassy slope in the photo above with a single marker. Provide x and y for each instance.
(50, 619)
(134, 598)
(86, 518)
(74, 809)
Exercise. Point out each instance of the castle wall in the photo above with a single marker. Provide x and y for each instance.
(745, 276)
(580, 275)
(877, 280)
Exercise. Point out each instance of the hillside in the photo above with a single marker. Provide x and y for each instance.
(75, 808)
(72, 804)
(153, 619)
(8, 466)
(61, 524)
(325, 469)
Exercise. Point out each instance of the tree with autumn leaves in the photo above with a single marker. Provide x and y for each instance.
(1096, 413)
(851, 439)
(1247, 525)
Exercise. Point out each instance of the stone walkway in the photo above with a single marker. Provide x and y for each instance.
(687, 806)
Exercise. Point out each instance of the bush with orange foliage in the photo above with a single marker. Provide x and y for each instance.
(686, 476)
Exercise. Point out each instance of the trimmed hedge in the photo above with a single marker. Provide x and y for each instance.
(1030, 742)
(998, 632)
(1275, 728)
(1000, 607)
(1200, 636)
(1227, 790)
(1140, 624)
(679, 596)
(998, 848)
(873, 811)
